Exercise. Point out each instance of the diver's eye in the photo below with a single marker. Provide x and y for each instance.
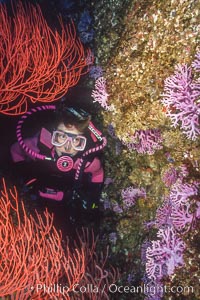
(62, 136)
(76, 141)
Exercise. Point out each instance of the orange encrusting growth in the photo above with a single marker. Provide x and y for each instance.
(37, 64)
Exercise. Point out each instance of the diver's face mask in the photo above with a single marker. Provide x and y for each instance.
(69, 140)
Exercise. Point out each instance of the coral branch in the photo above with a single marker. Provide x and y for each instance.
(37, 64)
(181, 192)
(146, 141)
(130, 195)
(182, 218)
(26, 255)
(181, 100)
(163, 214)
(164, 254)
(196, 62)
(100, 93)
(32, 254)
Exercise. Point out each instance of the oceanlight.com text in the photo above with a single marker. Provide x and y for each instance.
(150, 289)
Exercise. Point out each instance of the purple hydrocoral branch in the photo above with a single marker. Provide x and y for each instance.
(163, 214)
(146, 244)
(146, 141)
(100, 93)
(197, 213)
(153, 290)
(183, 171)
(106, 204)
(111, 131)
(108, 180)
(164, 254)
(181, 217)
(181, 100)
(174, 247)
(118, 144)
(196, 66)
(177, 87)
(196, 89)
(130, 195)
(96, 72)
(180, 192)
(172, 215)
(130, 278)
(149, 224)
(170, 176)
(196, 62)
(113, 237)
(175, 209)
(117, 208)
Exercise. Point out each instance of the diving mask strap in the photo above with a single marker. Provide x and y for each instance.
(95, 133)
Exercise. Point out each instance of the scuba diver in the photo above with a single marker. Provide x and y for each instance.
(63, 164)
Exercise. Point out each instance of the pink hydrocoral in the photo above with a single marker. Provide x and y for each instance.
(183, 171)
(170, 176)
(146, 244)
(100, 93)
(182, 218)
(164, 254)
(181, 192)
(196, 62)
(196, 83)
(130, 195)
(163, 214)
(146, 141)
(197, 213)
(175, 210)
(181, 100)
(117, 208)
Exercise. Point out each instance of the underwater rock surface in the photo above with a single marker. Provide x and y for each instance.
(139, 46)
